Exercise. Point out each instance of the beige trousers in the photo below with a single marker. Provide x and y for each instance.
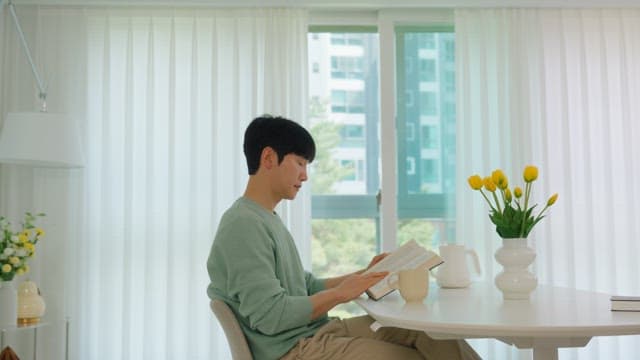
(353, 339)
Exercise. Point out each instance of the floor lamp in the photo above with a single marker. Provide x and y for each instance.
(38, 139)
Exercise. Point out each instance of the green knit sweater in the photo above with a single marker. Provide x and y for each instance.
(255, 268)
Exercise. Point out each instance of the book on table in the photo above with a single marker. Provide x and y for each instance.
(625, 303)
(408, 256)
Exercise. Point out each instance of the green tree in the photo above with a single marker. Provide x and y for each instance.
(326, 170)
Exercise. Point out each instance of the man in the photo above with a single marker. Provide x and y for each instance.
(255, 268)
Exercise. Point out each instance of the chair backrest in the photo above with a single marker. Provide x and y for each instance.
(235, 337)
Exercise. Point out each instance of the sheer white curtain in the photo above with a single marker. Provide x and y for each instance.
(163, 96)
(558, 89)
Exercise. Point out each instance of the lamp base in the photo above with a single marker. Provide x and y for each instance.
(28, 321)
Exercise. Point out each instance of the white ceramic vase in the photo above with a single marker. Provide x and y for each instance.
(515, 281)
(8, 304)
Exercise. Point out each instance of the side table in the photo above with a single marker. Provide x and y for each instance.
(34, 330)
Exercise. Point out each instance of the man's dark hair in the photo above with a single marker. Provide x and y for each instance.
(282, 135)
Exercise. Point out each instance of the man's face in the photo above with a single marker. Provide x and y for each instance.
(290, 174)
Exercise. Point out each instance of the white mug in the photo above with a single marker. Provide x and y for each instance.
(412, 283)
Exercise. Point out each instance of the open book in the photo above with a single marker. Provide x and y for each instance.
(408, 256)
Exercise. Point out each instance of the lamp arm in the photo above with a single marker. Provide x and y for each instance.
(42, 94)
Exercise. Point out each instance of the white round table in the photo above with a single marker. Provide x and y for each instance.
(553, 317)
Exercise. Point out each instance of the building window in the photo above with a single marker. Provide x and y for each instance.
(346, 67)
(411, 165)
(344, 101)
(428, 103)
(430, 137)
(428, 70)
(430, 172)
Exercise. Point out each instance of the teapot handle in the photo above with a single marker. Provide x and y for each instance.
(476, 262)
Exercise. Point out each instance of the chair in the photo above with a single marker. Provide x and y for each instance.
(235, 337)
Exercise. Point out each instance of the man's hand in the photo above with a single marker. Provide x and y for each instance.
(345, 288)
(376, 259)
(354, 285)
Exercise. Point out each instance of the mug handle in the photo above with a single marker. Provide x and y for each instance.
(476, 262)
(393, 280)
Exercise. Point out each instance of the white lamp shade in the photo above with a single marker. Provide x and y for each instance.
(41, 140)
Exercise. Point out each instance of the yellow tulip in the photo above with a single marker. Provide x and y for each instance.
(489, 184)
(530, 173)
(517, 192)
(500, 179)
(6, 268)
(30, 247)
(475, 182)
(552, 199)
(23, 238)
(14, 260)
(507, 195)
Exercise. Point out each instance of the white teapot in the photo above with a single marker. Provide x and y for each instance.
(454, 272)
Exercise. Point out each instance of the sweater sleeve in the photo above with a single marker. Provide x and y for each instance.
(247, 251)
(314, 284)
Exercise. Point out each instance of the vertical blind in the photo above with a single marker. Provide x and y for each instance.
(163, 97)
(557, 89)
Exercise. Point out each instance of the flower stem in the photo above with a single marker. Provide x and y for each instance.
(495, 197)
(487, 199)
(527, 191)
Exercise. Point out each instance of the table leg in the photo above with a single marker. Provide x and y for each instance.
(35, 343)
(545, 353)
(66, 339)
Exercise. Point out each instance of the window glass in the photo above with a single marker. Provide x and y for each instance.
(344, 176)
(426, 184)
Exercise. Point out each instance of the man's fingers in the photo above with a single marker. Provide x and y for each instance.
(378, 274)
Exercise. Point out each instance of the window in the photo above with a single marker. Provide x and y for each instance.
(428, 103)
(428, 70)
(346, 67)
(347, 101)
(430, 137)
(354, 39)
(345, 121)
(344, 177)
(426, 186)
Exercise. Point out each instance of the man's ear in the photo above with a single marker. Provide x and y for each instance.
(268, 158)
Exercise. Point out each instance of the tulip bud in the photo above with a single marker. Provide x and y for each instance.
(517, 192)
(552, 199)
(530, 173)
(475, 182)
(499, 178)
(489, 184)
